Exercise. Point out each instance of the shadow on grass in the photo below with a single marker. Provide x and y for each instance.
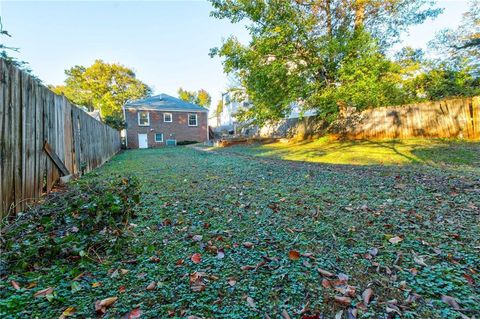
(446, 152)
(372, 152)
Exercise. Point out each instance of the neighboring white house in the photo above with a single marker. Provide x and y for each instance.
(227, 120)
(227, 123)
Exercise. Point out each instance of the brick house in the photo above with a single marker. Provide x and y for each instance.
(164, 120)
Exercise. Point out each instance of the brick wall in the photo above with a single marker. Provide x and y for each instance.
(178, 129)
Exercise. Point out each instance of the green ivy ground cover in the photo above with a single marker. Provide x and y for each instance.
(226, 236)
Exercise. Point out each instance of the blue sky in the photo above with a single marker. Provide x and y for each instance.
(165, 42)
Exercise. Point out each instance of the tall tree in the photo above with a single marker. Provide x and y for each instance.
(462, 45)
(102, 86)
(316, 53)
(201, 97)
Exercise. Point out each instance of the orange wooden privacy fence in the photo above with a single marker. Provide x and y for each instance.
(42, 137)
(447, 118)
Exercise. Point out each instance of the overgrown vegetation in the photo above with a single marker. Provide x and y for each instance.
(229, 236)
(73, 230)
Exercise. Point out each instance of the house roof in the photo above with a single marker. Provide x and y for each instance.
(164, 102)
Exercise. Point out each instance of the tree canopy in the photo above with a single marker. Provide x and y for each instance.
(200, 97)
(319, 54)
(102, 86)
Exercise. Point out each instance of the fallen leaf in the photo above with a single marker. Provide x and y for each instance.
(342, 277)
(373, 251)
(367, 295)
(419, 261)
(152, 285)
(308, 255)
(350, 291)
(352, 313)
(198, 287)
(248, 267)
(134, 314)
(96, 284)
(44, 292)
(251, 302)
(121, 289)
(469, 279)
(196, 258)
(285, 314)
(247, 244)
(325, 273)
(31, 285)
(392, 308)
(102, 305)
(413, 297)
(451, 302)
(326, 283)
(395, 240)
(293, 255)
(15, 285)
(67, 312)
(154, 259)
(343, 300)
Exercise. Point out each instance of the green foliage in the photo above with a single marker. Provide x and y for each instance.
(102, 86)
(443, 82)
(75, 227)
(201, 97)
(314, 53)
(115, 122)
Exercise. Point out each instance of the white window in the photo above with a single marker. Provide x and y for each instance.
(158, 137)
(192, 120)
(143, 118)
(167, 117)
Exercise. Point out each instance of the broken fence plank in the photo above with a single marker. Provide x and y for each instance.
(56, 160)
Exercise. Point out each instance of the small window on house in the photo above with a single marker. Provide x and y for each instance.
(167, 117)
(143, 118)
(158, 137)
(192, 120)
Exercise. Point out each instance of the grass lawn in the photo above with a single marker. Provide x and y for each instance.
(219, 235)
(371, 152)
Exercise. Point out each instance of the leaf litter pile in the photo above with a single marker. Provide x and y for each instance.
(180, 233)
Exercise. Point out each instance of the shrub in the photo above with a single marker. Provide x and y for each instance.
(89, 221)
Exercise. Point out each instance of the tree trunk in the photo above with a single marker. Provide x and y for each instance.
(359, 13)
(328, 13)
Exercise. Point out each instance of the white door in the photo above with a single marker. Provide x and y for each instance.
(142, 141)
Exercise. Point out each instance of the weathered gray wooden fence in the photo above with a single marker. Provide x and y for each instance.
(42, 137)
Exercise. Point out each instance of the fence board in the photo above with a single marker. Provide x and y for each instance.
(30, 114)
